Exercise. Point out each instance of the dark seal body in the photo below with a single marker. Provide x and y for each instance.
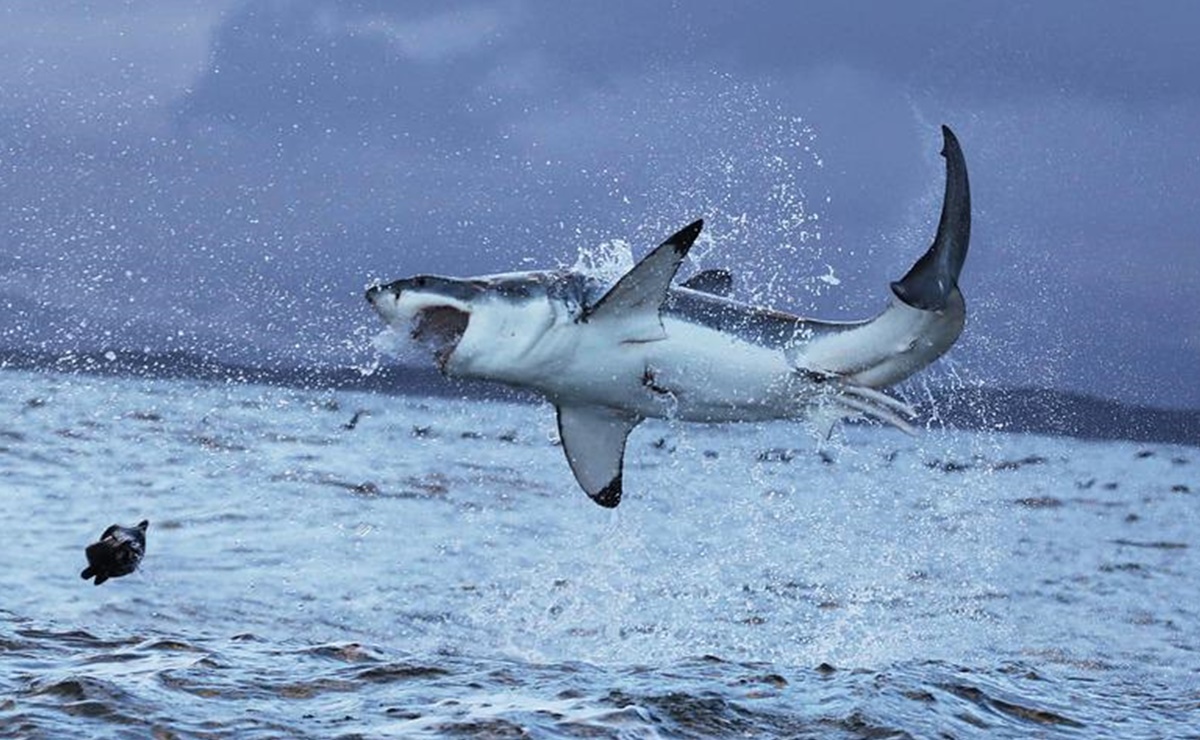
(118, 552)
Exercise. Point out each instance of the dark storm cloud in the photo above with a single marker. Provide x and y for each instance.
(979, 51)
(280, 67)
(425, 66)
(229, 176)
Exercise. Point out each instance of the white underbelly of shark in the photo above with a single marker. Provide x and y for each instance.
(693, 374)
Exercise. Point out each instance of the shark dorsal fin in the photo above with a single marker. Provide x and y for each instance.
(593, 438)
(717, 282)
(637, 297)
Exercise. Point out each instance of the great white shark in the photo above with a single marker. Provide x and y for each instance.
(609, 356)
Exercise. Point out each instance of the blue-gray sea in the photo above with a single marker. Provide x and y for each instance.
(435, 572)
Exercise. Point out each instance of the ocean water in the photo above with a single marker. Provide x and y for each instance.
(434, 572)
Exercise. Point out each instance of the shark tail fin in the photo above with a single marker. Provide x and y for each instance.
(922, 321)
(929, 284)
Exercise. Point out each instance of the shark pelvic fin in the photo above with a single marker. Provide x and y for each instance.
(840, 398)
(717, 282)
(873, 404)
(638, 296)
(593, 439)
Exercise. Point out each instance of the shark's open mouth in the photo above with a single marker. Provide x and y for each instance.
(440, 328)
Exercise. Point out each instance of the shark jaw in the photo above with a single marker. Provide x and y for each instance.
(440, 329)
(610, 356)
(433, 322)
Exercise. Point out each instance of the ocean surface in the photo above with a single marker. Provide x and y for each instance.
(434, 572)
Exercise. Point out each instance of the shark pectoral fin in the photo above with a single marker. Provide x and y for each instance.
(593, 438)
(718, 282)
(636, 298)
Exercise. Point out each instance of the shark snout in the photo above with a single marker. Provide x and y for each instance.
(383, 296)
(374, 291)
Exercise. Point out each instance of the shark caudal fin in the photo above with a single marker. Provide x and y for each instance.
(928, 285)
(924, 319)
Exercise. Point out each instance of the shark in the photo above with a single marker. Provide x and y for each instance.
(609, 355)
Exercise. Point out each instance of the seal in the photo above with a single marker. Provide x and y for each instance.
(117, 553)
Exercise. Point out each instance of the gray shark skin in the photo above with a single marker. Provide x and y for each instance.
(609, 356)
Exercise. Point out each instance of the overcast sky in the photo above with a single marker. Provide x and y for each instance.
(226, 176)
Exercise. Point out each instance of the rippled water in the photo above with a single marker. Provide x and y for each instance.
(434, 572)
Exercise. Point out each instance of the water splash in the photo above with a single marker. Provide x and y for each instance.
(607, 261)
(716, 147)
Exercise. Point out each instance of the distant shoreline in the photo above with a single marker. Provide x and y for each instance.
(1019, 410)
